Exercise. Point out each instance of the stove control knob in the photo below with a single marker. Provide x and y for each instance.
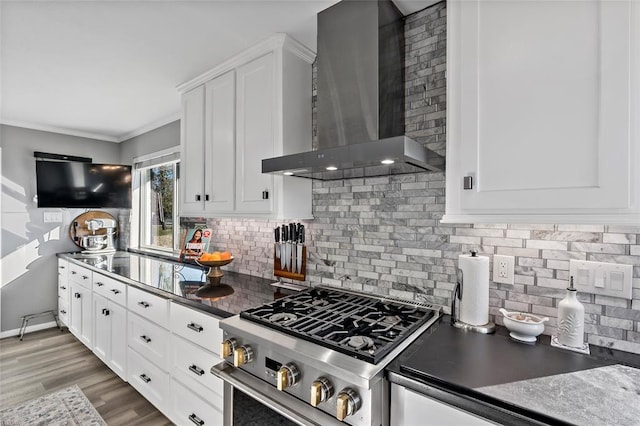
(348, 402)
(242, 355)
(227, 347)
(321, 390)
(288, 375)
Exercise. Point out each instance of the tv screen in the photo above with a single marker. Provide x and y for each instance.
(83, 185)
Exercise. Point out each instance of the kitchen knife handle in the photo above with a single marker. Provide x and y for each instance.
(277, 234)
(302, 236)
(285, 233)
(292, 232)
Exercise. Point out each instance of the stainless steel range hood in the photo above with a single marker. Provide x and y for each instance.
(360, 102)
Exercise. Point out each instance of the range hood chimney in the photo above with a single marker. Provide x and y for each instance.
(360, 102)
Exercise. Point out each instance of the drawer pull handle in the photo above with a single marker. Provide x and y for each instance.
(61, 267)
(144, 304)
(85, 277)
(146, 339)
(63, 287)
(63, 312)
(195, 419)
(106, 312)
(199, 371)
(76, 295)
(145, 378)
(195, 327)
(99, 284)
(73, 272)
(114, 291)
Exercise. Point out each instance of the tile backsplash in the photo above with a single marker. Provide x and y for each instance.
(382, 235)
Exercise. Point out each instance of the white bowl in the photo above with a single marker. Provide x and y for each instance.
(524, 327)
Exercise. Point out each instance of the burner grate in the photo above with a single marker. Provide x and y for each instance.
(362, 326)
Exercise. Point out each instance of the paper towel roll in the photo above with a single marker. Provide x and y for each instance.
(474, 305)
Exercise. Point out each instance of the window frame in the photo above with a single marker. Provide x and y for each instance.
(141, 205)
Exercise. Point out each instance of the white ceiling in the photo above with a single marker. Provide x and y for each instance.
(109, 69)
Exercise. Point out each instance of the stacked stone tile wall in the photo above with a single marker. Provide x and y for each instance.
(382, 235)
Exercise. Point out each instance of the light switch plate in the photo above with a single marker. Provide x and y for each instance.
(52, 217)
(503, 269)
(609, 279)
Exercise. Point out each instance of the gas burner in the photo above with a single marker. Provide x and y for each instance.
(360, 342)
(392, 319)
(283, 317)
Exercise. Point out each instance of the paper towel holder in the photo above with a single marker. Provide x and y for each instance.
(487, 328)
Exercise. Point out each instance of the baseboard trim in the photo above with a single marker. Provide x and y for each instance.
(29, 329)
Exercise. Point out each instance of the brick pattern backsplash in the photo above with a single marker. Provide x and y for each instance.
(382, 235)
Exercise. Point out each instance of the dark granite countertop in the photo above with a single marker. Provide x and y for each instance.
(179, 281)
(516, 383)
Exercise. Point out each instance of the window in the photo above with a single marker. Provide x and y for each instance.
(155, 208)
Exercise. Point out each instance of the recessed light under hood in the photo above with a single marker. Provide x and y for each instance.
(360, 103)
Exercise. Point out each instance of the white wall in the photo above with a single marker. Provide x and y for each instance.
(29, 246)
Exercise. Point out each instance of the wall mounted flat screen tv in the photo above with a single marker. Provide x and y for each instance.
(83, 185)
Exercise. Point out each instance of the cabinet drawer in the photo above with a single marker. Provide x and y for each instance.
(189, 408)
(149, 306)
(148, 379)
(110, 288)
(80, 275)
(63, 290)
(197, 327)
(149, 340)
(193, 363)
(63, 309)
(63, 270)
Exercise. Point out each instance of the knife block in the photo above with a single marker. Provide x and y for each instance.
(278, 272)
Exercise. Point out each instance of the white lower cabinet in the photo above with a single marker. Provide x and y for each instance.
(148, 379)
(63, 291)
(190, 408)
(80, 316)
(109, 334)
(409, 408)
(192, 363)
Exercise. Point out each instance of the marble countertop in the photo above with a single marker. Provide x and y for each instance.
(515, 383)
(179, 281)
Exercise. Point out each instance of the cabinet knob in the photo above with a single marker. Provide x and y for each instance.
(242, 355)
(321, 390)
(347, 403)
(227, 347)
(198, 198)
(265, 195)
(206, 197)
(288, 375)
(76, 295)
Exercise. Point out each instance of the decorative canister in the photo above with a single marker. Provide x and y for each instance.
(571, 319)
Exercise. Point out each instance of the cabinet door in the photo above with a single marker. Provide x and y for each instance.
(256, 133)
(192, 145)
(101, 328)
(220, 143)
(539, 119)
(410, 409)
(118, 339)
(81, 313)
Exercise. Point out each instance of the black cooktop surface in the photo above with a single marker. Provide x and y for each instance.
(366, 327)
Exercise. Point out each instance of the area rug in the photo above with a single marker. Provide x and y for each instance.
(68, 406)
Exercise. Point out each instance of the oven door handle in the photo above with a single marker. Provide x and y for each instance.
(280, 402)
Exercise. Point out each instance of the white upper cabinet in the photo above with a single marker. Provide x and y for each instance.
(255, 106)
(542, 111)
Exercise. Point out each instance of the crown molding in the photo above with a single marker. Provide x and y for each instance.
(59, 130)
(149, 127)
(276, 41)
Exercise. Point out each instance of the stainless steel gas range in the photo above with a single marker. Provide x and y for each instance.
(318, 356)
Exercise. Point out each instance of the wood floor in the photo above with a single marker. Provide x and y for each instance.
(49, 360)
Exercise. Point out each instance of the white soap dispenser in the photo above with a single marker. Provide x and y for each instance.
(571, 319)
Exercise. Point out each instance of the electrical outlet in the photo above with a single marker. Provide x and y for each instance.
(52, 217)
(503, 269)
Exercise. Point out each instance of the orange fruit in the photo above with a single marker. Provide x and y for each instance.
(215, 256)
(225, 255)
(204, 256)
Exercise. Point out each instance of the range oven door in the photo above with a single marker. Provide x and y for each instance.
(238, 408)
